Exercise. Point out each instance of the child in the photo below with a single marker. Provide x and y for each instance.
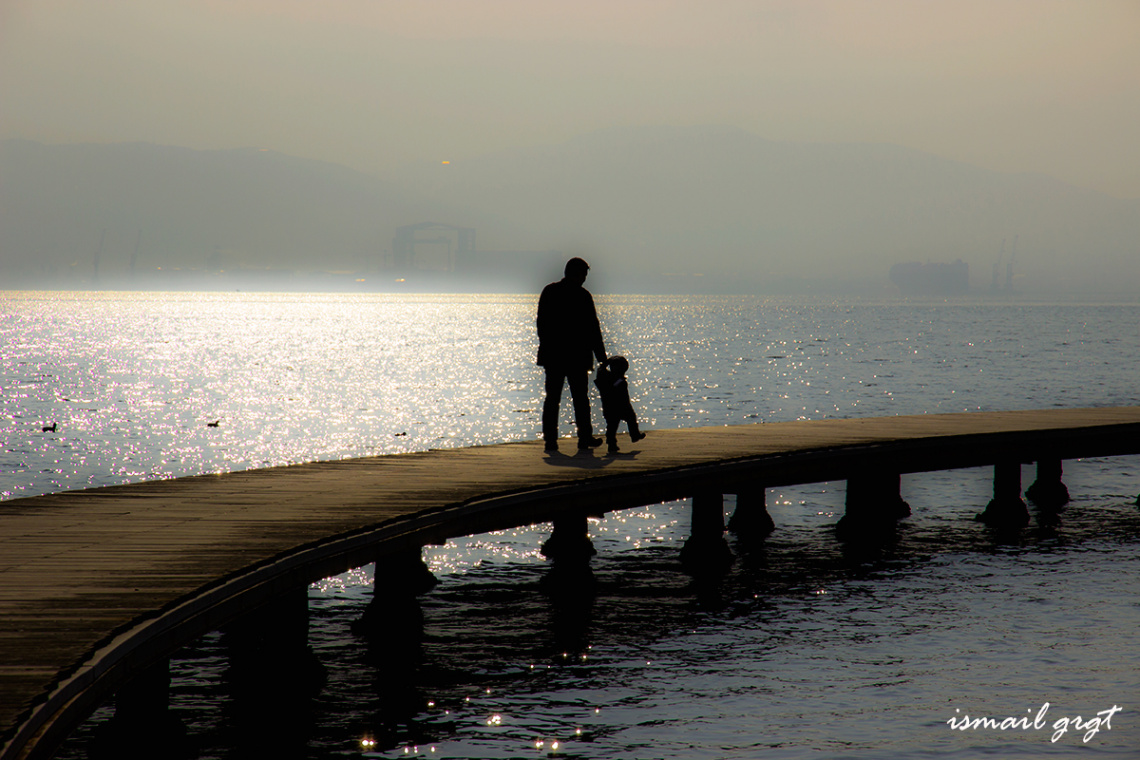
(614, 390)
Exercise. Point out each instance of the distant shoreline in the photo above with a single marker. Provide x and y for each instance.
(440, 288)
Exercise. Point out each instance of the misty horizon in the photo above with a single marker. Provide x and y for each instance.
(701, 209)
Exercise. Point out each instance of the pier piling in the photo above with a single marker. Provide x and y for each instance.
(393, 616)
(273, 676)
(874, 503)
(1006, 509)
(750, 520)
(269, 649)
(142, 720)
(706, 550)
(1048, 491)
(570, 539)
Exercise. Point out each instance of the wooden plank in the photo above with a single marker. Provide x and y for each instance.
(76, 567)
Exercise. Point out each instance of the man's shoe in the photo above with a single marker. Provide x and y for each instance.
(635, 437)
(589, 443)
(612, 449)
(550, 447)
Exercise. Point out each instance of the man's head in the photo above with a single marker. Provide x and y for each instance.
(576, 270)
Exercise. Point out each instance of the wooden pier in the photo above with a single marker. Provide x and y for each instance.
(98, 585)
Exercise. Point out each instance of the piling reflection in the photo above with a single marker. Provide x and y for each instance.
(1048, 517)
(871, 543)
(273, 679)
(571, 590)
(143, 724)
(392, 632)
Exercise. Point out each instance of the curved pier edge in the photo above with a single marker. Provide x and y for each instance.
(132, 649)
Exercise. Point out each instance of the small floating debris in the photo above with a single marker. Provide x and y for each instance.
(398, 435)
(50, 428)
(213, 424)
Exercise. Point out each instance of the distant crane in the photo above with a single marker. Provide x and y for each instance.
(1009, 267)
(997, 267)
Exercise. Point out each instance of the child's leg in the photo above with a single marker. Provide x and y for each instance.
(635, 433)
(611, 433)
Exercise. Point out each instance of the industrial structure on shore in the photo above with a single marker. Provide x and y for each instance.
(434, 247)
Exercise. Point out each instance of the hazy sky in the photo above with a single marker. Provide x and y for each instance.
(1020, 85)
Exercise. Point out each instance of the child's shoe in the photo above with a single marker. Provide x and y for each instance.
(585, 444)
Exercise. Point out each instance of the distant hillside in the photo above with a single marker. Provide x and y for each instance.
(189, 209)
(707, 209)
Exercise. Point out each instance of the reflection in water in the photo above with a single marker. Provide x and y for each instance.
(570, 588)
(273, 678)
(391, 630)
(143, 721)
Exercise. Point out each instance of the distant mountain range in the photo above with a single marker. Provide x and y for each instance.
(705, 209)
(246, 208)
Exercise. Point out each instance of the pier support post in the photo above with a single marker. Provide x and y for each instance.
(570, 539)
(269, 649)
(706, 550)
(392, 628)
(874, 502)
(143, 720)
(1048, 492)
(393, 615)
(750, 519)
(1006, 510)
(273, 677)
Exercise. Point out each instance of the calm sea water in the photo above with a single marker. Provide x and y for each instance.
(804, 650)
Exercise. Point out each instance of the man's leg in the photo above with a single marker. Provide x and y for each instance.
(551, 404)
(579, 393)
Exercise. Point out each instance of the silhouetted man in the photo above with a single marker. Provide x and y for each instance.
(569, 337)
